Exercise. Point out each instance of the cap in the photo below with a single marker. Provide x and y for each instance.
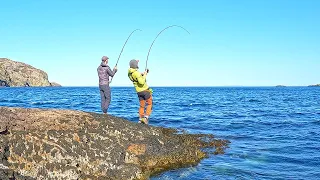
(104, 58)
(134, 63)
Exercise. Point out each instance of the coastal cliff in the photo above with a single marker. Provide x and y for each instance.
(17, 74)
(68, 144)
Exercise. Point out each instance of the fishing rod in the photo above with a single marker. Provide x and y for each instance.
(157, 37)
(123, 48)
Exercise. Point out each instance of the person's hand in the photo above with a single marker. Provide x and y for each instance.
(115, 68)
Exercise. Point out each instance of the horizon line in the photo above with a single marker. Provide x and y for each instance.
(203, 86)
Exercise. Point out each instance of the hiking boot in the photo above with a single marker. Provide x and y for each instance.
(142, 120)
(146, 120)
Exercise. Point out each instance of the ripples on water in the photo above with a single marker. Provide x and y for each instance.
(274, 132)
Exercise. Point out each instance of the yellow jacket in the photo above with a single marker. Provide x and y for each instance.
(139, 81)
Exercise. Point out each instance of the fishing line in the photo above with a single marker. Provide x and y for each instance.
(157, 37)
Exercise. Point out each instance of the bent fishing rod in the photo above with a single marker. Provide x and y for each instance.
(157, 37)
(123, 48)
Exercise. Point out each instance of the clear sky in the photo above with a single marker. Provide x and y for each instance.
(231, 42)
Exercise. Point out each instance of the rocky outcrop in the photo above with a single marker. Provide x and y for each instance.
(55, 84)
(66, 144)
(315, 85)
(21, 74)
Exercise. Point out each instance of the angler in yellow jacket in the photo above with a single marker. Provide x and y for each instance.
(144, 92)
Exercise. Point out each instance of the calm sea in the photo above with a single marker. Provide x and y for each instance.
(274, 132)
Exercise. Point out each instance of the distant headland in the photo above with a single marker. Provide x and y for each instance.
(18, 74)
(315, 85)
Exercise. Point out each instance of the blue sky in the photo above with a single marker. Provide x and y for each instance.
(231, 42)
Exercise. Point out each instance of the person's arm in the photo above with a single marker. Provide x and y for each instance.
(111, 73)
(141, 78)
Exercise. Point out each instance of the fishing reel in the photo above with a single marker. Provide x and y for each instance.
(143, 73)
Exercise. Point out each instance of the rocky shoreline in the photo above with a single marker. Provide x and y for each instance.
(68, 144)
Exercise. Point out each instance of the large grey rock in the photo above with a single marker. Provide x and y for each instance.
(67, 144)
(20, 74)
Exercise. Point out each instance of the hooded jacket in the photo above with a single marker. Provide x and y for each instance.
(104, 72)
(139, 81)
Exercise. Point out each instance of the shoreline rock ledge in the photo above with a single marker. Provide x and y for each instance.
(69, 144)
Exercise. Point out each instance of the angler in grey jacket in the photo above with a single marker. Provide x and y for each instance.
(104, 72)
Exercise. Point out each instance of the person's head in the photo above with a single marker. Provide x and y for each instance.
(134, 64)
(105, 59)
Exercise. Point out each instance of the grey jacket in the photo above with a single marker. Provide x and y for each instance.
(104, 72)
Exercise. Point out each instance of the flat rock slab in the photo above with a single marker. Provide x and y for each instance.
(68, 144)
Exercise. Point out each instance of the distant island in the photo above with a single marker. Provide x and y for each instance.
(18, 74)
(315, 85)
(281, 86)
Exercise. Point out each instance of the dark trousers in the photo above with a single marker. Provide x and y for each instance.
(105, 94)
